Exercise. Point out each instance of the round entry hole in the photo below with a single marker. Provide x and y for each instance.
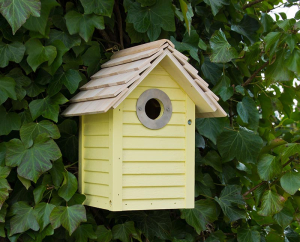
(153, 108)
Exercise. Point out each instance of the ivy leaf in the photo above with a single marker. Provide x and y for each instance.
(92, 59)
(154, 223)
(289, 150)
(30, 131)
(268, 167)
(210, 127)
(24, 218)
(211, 71)
(103, 7)
(11, 52)
(47, 107)
(224, 88)
(290, 182)
(68, 187)
(242, 144)
(25, 182)
(293, 62)
(34, 161)
(61, 50)
(3, 211)
(21, 81)
(17, 11)
(124, 231)
(38, 54)
(70, 78)
(7, 89)
(68, 40)
(38, 193)
(83, 24)
(69, 217)
(271, 203)
(285, 216)
(9, 121)
(216, 5)
(103, 234)
(39, 23)
(222, 51)
(187, 12)
(160, 15)
(57, 172)
(84, 233)
(68, 143)
(4, 186)
(203, 213)
(189, 43)
(247, 110)
(248, 235)
(231, 194)
(43, 211)
(247, 27)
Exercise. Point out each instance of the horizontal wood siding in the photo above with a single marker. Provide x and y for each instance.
(96, 160)
(154, 160)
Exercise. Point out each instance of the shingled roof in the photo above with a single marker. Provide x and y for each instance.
(127, 68)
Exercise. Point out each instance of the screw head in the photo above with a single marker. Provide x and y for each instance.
(139, 108)
(168, 109)
(189, 122)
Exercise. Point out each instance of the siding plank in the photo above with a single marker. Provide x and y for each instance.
(145, 143)
(153, 204)
(153, 180)
(153, 192)
(96, 166)
(96, 189)
(96, 153)
(154, 155)
(96, 201)
(130, 130)
(131, 118)
(96, 141)
(153, 168)
(173, 93)
(95, 129)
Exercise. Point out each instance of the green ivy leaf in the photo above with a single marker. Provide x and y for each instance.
(26, 183)
(189, 43)
(285, 216)
(103, 7)
(247, 110)
(216, 5)
(247, 27)
(68, 143)
(103, 234)
(92, 59)
(11, 52)
(69, 217)
(3, 211)
(223, 88)
(39, 23)
(38, 193)
(288, 150)
(61, 50)
(160, 15)
(248, 235)
(268, 167)
(83, 24)
(34, 161)
(84, 232)
(7, 89)
(222, 51)
(70, 78)
(124, 231)
(290, 182)
(30, 131)
(4, 186)
(187, 12)
(57, 172)
(9, 121)
(152, 224)
(271, 203)
(292, 62)
(211, 71)
(68, 187)
(21, 81)
(24, 218)
(47, 107)
(68, 40)
(38, 54)
(43, 211)
(17, 11)
(203, 213)
(210, 127)
(242, 144)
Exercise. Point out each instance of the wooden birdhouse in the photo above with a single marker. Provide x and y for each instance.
(137, 129)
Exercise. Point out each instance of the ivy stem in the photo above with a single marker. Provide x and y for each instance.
(251, 4)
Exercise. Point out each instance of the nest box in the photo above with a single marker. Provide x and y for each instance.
(137, 129)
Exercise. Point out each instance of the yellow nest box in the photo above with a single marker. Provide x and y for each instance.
(137, 129)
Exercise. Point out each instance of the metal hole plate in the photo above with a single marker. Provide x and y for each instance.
(166, 109)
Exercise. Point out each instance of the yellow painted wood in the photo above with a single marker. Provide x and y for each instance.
(153, 204)
(81, 141)
(96, 201)
(159, 71)
(99, 141)
(96, 189)
(153, 155)
(153, 180)
(96, 153)
(173, 93)
(131, 130)
(97, 177)
(153, 192)
(95, 128)
(97, 165)
(154, 167)
(116, 147)
(153, 143)
(190, 153)
(97, 118)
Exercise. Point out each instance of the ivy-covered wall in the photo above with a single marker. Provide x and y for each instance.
(247, 179)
